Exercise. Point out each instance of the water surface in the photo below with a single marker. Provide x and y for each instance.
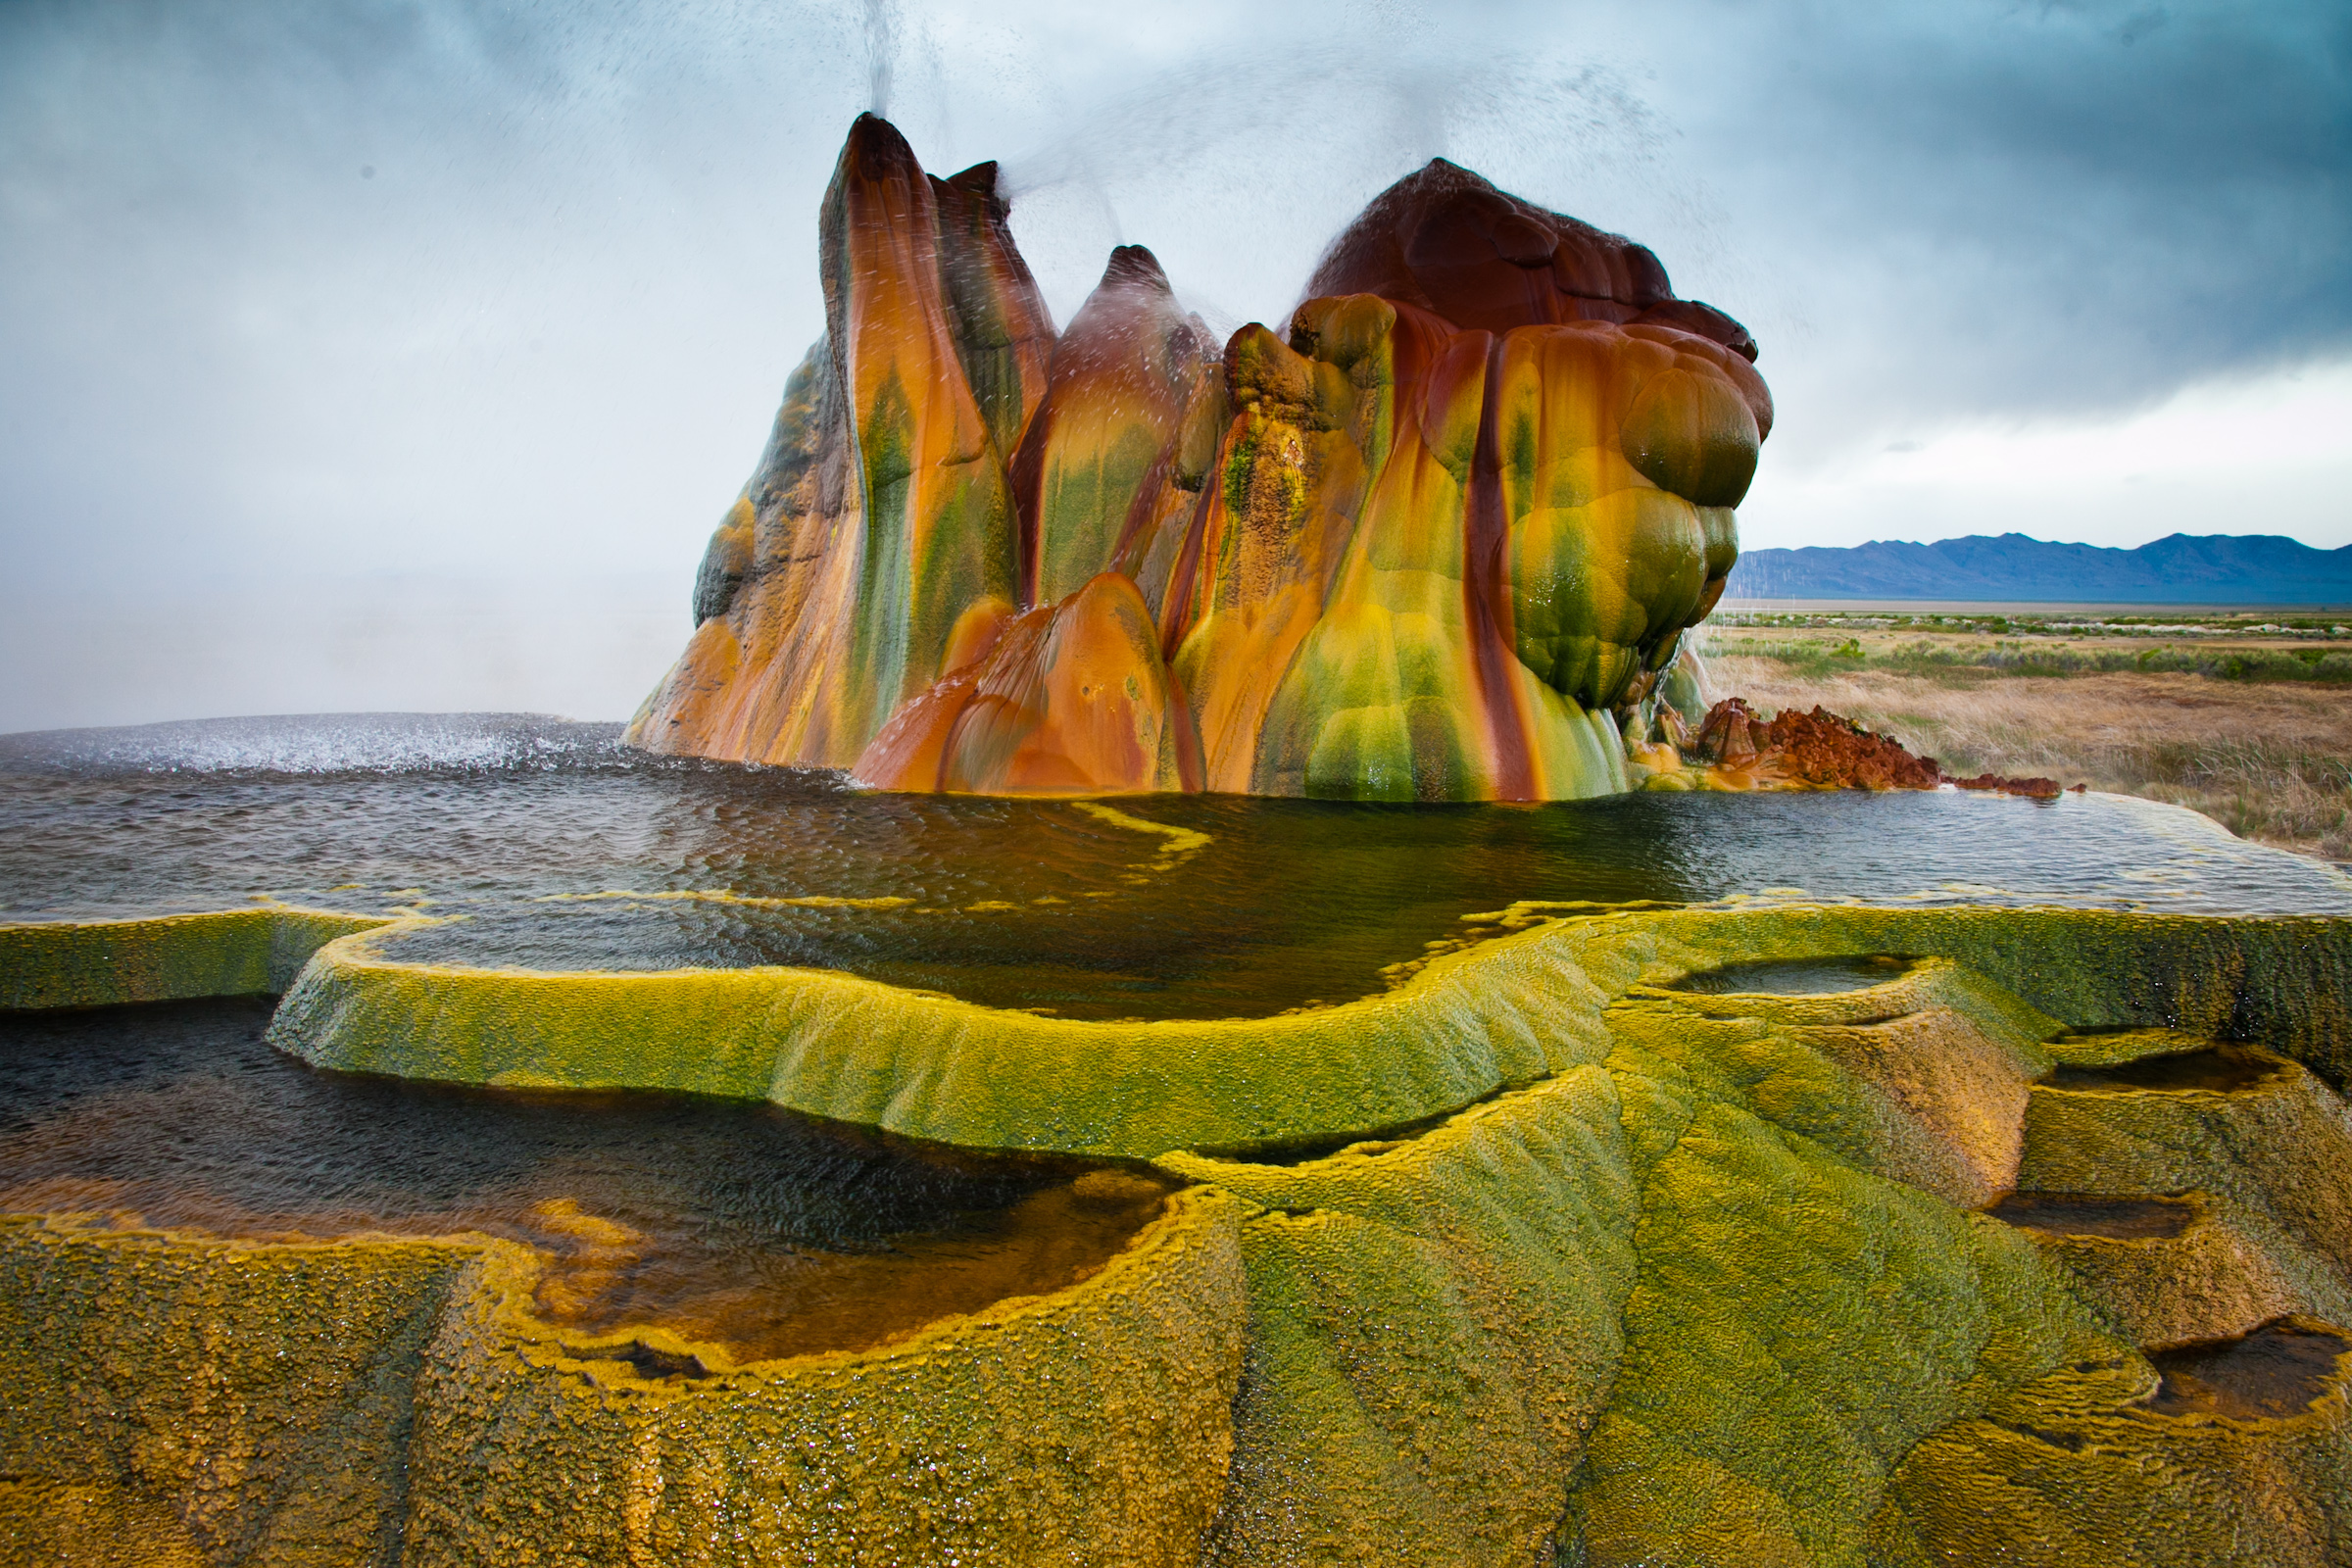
(559, 849)
(1797, 977)
(739, 1223)
(2118, 1217)
(2272, 1372)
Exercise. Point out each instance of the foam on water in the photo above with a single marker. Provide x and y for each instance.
(317, 743)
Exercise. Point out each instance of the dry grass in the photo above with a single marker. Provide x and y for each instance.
(2270, 761)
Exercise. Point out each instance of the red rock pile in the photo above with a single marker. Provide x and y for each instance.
(2040, 788)
(1823, 750)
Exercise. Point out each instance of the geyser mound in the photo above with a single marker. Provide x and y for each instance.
(1440, 542)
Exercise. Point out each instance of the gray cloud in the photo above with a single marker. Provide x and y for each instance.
(504, 291)
(2071, 205)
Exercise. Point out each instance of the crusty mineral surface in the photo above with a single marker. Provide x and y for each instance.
(1790, 1234)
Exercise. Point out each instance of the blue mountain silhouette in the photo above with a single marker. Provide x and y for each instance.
(2178, 569)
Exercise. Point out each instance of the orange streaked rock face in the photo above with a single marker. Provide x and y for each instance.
(1070, 698)
(1101, 477)
(881, 514)
(1439, 540)
(1003, 338)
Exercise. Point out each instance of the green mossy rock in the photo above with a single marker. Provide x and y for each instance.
(1435, 1331)
(378, 1402)
(102, 963)
(1504, 1012)
(1561, 1251)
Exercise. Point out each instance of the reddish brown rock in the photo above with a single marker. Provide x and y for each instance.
(1823, 750)
(1447, 241)
(1817, 750)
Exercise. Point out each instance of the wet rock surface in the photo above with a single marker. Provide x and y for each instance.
(2275, 1371)
(2121, 1219)
(2217, 1069)
(739, 1223)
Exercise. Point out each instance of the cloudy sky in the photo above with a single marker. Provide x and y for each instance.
(402, 353)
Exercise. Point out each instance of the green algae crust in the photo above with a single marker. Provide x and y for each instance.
(2271, 1163)
(1774, 1325)
(379, 1400)
(1508, 1011)
(1626, 1272)
(934, 1068)
(260, 1395)
(1090, 1426)
(2075, 1470)
(98, 963)
(1435, 1329)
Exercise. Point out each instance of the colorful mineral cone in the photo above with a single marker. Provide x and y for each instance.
(1463, 549)
(1094, 475)
(881, 514)
(1439, 540)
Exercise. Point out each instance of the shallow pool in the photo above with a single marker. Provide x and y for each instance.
(553, 847)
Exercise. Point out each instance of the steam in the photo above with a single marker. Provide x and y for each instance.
(881, 48)
(1578, 119)
(1262, 144)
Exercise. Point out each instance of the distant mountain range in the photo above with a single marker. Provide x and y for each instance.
(2180, 570)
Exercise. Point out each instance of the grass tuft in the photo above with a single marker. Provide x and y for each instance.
(1972, 664)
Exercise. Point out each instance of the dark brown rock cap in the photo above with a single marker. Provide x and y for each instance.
(1446, 240)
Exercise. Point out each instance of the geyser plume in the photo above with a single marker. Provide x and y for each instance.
(881, 50)
(1440, 541)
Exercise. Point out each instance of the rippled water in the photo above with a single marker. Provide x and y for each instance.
(2119, 1219)
(738, 1223)
(556, 848)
